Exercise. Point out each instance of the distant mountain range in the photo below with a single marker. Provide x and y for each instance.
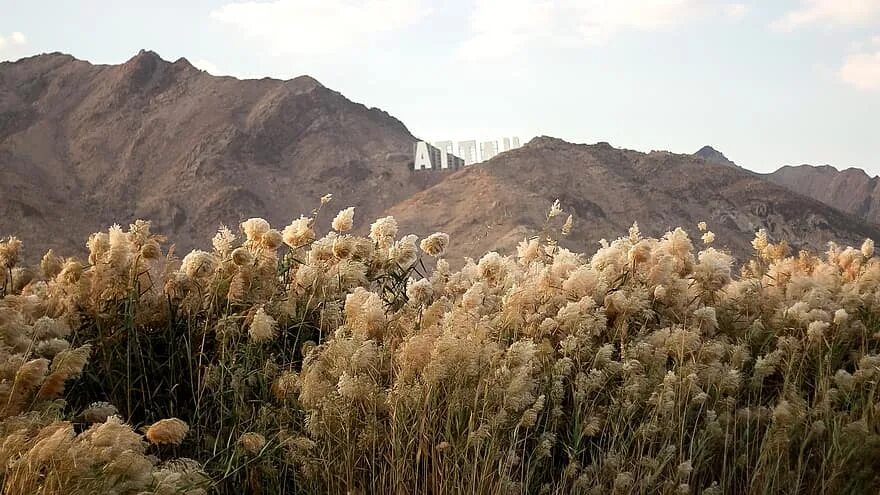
(607, 188)
(83, 146)
(851, 190)
(711, 154)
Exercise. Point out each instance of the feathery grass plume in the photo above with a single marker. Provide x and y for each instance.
(840, 316)
(383, 231)
(223, 241)
(272, 239)
(404, 252)
(252, 442)
(242, 257)
(364, 313)
(119, 250)
(435, 244)
(640, 252)
(21, 280)
(555, 209)
(66, 365)
(198, 264)
(567, 226)
(47, 328)
(99, 412)
(648, 366)
(343, 246)
(167, 431)
(263, 327)
(287, 385)
(299, 233)
(98, 245)
(51, 264)
(706, 319)
(10, 252)
(420, 291)
(254, 228)
(106, 458)
(528, 250)
(712, 272)
(344, 220)
(51, 347)
(151, 250)
(868, 248)
(28, 377)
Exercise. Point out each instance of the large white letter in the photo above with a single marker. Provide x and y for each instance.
(421, 160)
(468, 151)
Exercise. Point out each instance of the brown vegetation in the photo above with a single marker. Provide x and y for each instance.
(341, 365)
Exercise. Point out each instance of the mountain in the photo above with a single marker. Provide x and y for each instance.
(710, 154)
(83, 146)
(495, 205)
(850, 190)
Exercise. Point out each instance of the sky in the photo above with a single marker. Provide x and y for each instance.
(767, 82)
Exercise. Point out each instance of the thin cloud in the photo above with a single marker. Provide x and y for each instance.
(318, 26)
(504, 27)
(207, 66)
(828, 12)
(11, 46)
(862, 71)
(736, 11)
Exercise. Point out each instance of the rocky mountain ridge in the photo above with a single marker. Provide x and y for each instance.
(606, 189)
(83, 146)
(711, 154)
(851, 190)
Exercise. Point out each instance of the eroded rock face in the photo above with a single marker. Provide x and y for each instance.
(83, 146)
(497, 204)
(709, 153)
(850, 190)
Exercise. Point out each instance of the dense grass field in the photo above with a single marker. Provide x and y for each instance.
(284, 362)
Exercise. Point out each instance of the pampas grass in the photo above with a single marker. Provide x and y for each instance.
(280, 361)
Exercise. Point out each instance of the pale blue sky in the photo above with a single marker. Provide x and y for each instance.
(768, 82)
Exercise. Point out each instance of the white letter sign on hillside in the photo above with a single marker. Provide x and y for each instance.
(440, 155)
(422, 158)
(446, 155)
(427, 157)
(468, 151)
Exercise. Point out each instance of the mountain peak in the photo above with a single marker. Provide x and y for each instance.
(183, 63)
(304, 83)
(146, 55)
(158, 140)
(710, 154)
(494, 206)
(851, 190)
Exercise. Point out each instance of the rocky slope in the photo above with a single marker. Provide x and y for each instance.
(850, 190)
(498, 204)
(711, 154)
(83, 146)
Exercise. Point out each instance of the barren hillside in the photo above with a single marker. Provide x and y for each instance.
(83, 146)
(850, 190)
(606, 189)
